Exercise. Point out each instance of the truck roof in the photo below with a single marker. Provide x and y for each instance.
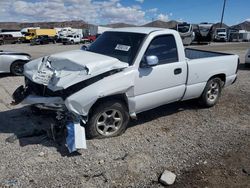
(143, 30)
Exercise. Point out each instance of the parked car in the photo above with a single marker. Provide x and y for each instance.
(247, 58)
(1, 41)
(90, 38)
(9, 39)
(13, 62)
(43, 39)
(124, 72)
(71, 39)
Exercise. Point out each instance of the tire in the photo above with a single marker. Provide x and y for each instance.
(247, 65)
(106, 113)
(211, 93)
(16, 68)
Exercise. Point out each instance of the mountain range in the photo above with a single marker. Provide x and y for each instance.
(82, 24)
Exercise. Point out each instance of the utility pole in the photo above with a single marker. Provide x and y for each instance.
(222, 15)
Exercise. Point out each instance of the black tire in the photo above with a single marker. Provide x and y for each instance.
(113, 109)
(247, 65)
(16, 68)
(211, 93)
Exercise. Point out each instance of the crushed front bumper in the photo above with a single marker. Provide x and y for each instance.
(37, 95)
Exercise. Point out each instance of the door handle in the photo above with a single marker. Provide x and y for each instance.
(177, 71)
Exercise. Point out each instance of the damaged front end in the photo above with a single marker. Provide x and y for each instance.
(51, 81)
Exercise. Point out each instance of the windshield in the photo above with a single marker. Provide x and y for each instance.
(183, 28)
(120, 45)
(221, 30)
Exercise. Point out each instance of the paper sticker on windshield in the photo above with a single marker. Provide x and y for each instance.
(121, 47)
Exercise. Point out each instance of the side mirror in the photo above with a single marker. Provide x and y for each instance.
(152, 60)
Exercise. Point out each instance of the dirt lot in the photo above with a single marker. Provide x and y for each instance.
(204, 147)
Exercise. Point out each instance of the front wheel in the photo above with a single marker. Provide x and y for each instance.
(108, 119)
(211, 93)
(17, 68)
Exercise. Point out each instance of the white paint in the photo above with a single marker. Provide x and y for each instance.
(80, 138)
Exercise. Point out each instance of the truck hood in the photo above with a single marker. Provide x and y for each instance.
(62, 70)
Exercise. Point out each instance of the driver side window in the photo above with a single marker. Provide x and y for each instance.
(164, 47)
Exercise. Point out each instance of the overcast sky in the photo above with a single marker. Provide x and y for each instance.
(128, 11)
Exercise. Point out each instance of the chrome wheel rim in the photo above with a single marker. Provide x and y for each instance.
(213, 92)
(109, 122)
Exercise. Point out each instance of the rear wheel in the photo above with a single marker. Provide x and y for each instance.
(16, 68)
(211, 93)
(247, 65)
(108, 119)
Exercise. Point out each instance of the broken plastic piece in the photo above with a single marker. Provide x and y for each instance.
(76, 137)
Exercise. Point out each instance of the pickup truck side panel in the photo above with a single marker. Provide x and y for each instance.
(202, 69)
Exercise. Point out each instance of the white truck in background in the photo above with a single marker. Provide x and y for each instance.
(124, 72)
(69, 31)
(72, 39)
(221, 34)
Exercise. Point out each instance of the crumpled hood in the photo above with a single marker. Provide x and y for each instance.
(69, 68)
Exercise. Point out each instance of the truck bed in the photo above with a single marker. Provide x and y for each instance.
(197, 54)
(203, 65)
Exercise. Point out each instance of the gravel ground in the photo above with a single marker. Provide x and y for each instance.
(204, 147)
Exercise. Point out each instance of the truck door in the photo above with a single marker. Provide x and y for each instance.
(162, 83)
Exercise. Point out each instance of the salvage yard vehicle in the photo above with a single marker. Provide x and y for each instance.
(220, 34)
(43, 39)
(71, 39)
(124, 72)
(186, 32)
(34, 33)
(13, 62)
(90, 38)
(203, 32)
(247, 58)
(9, 39)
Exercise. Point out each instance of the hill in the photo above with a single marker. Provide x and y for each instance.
(162, 24)
(16, 25)
(242, 26)
(119, 25)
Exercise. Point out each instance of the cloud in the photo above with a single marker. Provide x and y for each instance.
(163, 17)
(92, 11)
(152, 10)
(248, 19)
(140, 1)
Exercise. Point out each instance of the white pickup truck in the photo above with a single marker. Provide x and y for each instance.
(124, 72)
(71, 39)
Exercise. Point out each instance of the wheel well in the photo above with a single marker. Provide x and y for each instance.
(18, 60)
(221, 76)
(119, 97)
